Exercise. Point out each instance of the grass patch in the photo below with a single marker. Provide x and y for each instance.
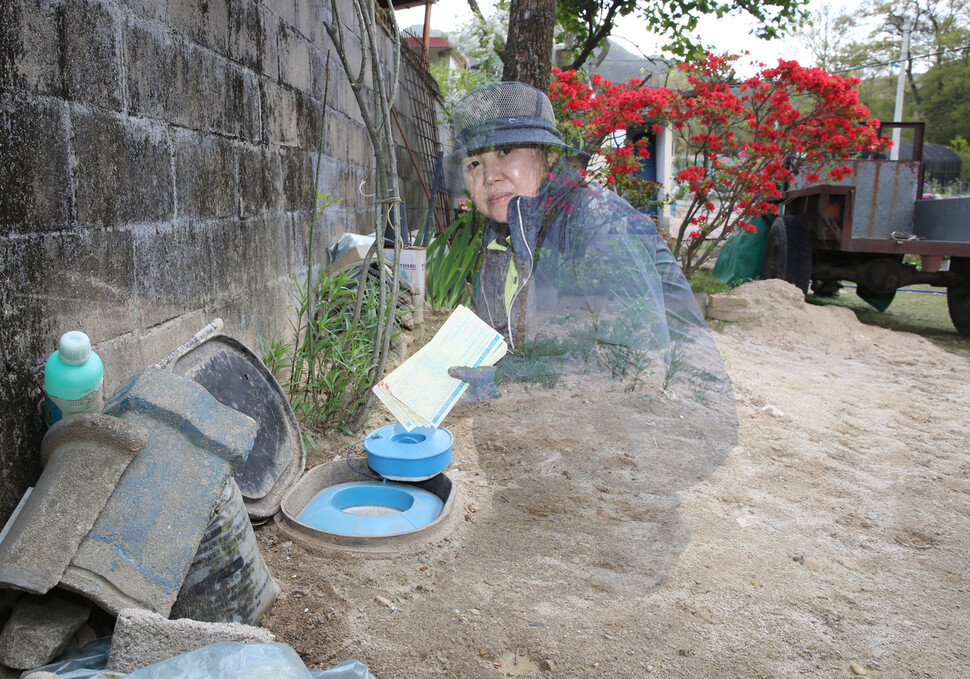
(923, 313)
(704, 282)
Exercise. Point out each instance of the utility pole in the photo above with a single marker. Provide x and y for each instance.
(900, 85)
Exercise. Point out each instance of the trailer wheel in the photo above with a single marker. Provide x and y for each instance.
(958, 295)
(788, 253)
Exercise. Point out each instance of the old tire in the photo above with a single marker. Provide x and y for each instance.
(958, 296)
(788, 252)
(826, 288)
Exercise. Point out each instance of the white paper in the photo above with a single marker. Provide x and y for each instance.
(421, 392)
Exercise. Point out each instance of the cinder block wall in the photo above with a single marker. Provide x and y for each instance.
(156, 169)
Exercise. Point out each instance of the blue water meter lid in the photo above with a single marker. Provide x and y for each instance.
(401, 455)
(394, 442)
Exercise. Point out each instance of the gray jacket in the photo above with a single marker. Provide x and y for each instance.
(589, 272)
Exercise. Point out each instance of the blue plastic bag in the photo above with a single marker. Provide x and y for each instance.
(230, 660)
(235, 660)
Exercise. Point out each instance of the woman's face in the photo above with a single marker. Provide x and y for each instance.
(494, 176)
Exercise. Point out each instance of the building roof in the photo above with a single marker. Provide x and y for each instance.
(406, 4)
(433, 42)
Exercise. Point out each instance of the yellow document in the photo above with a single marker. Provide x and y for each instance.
(421, 392)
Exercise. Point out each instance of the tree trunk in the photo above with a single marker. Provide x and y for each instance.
(528, 50)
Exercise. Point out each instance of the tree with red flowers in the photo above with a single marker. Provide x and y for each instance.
(743, 140)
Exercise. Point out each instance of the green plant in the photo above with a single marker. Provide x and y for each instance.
(703, 281)
(374, 82)
(454, 84)
(961, 147)
(536, 360)
(675, 363)
(623, 341)
(326, 372)
(452, 258)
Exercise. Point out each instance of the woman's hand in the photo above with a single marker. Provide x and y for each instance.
(481, 382)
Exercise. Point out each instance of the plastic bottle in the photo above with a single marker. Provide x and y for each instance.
(73, 376)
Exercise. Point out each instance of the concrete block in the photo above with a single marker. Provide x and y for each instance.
(232, 100)
(40, 628)
(284, 9)
(354, 181)
(318, 73)
(359, 146)
(33, 162)
(346, 100)
(123, 171)
(179, 97)
(233, 238)
(92, 286)
(354, 51)
(269, 61)
(84, 456)
(147, 347)
(92, 54)
(148, 9)
(260, 181)
(57, 281)
(142, 638)
(30, 43)
(216, 13)
(297, 179)
(245, 33)
(255, 261)
(309, 114)
(729, 309)
(295, 69)
(142, 544)
(335, 141)
(338, 89)
(309, 18)
(205, 176)
(206, 23)
(279, 114)
(172, 265)
(294, 244)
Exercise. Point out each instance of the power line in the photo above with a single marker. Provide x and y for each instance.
(894, 61)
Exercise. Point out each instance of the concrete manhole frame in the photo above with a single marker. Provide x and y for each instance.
(337, 472)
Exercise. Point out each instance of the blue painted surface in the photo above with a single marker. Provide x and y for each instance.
(410, 508)
(394, 452)
(648, 169)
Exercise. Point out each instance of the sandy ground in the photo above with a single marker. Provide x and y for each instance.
(832, 540)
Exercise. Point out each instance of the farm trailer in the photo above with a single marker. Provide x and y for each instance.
(861, 228)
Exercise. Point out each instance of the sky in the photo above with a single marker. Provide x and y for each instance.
(727, 34)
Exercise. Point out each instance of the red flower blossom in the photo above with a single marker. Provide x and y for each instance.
(788, 113)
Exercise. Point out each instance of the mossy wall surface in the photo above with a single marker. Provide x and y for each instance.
(156, 171)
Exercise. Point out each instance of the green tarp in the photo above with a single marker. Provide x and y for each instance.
(743, 254)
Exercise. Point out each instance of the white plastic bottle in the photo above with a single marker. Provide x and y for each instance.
(73, 376)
